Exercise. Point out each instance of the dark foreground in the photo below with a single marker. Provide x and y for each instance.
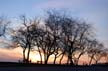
(53, 69)
(36, 67)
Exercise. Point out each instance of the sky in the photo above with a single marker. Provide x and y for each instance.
(92, 11)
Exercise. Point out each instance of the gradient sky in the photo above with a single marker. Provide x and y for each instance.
(92, 11)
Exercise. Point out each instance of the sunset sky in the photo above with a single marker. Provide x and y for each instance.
(92, 11)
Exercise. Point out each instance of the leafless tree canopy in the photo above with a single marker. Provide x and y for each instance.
(60, 36)
(3, 25)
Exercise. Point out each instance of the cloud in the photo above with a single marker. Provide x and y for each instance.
(92, 11)
(99, 21)
(5, 43)
(59, 4)
(10, 55)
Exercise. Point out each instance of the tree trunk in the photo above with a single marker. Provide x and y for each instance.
(28, 54)
(70, 58)
(46, 59)
(79, 58)
(61, 59)
(40, 55)
(96, 61)
(24, 59)
(71, 61)
(55, 59)
(67, 60)
(91, 59)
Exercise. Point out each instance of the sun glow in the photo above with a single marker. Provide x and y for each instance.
(34, 57)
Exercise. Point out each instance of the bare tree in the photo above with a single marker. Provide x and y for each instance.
(99, 53)
(53, 24)
(38, 40)
(71, 33)
(24, 37)
(61, 36)
(43, 41)
(82, 41)
(74, 34)
(94, 51)
(3, 25)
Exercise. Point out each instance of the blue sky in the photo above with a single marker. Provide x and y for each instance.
(92, 11)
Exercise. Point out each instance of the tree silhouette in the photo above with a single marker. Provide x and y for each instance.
(71, 33)
(53, 23)
(61, 35)
(95, 51)
(38, 40)
(24, 38)
(3, 25)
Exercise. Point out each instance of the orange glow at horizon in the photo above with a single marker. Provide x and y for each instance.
(14, 55)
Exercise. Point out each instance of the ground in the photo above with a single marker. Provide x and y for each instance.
(37, 67)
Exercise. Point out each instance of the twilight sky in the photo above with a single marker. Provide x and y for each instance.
(92, 11)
